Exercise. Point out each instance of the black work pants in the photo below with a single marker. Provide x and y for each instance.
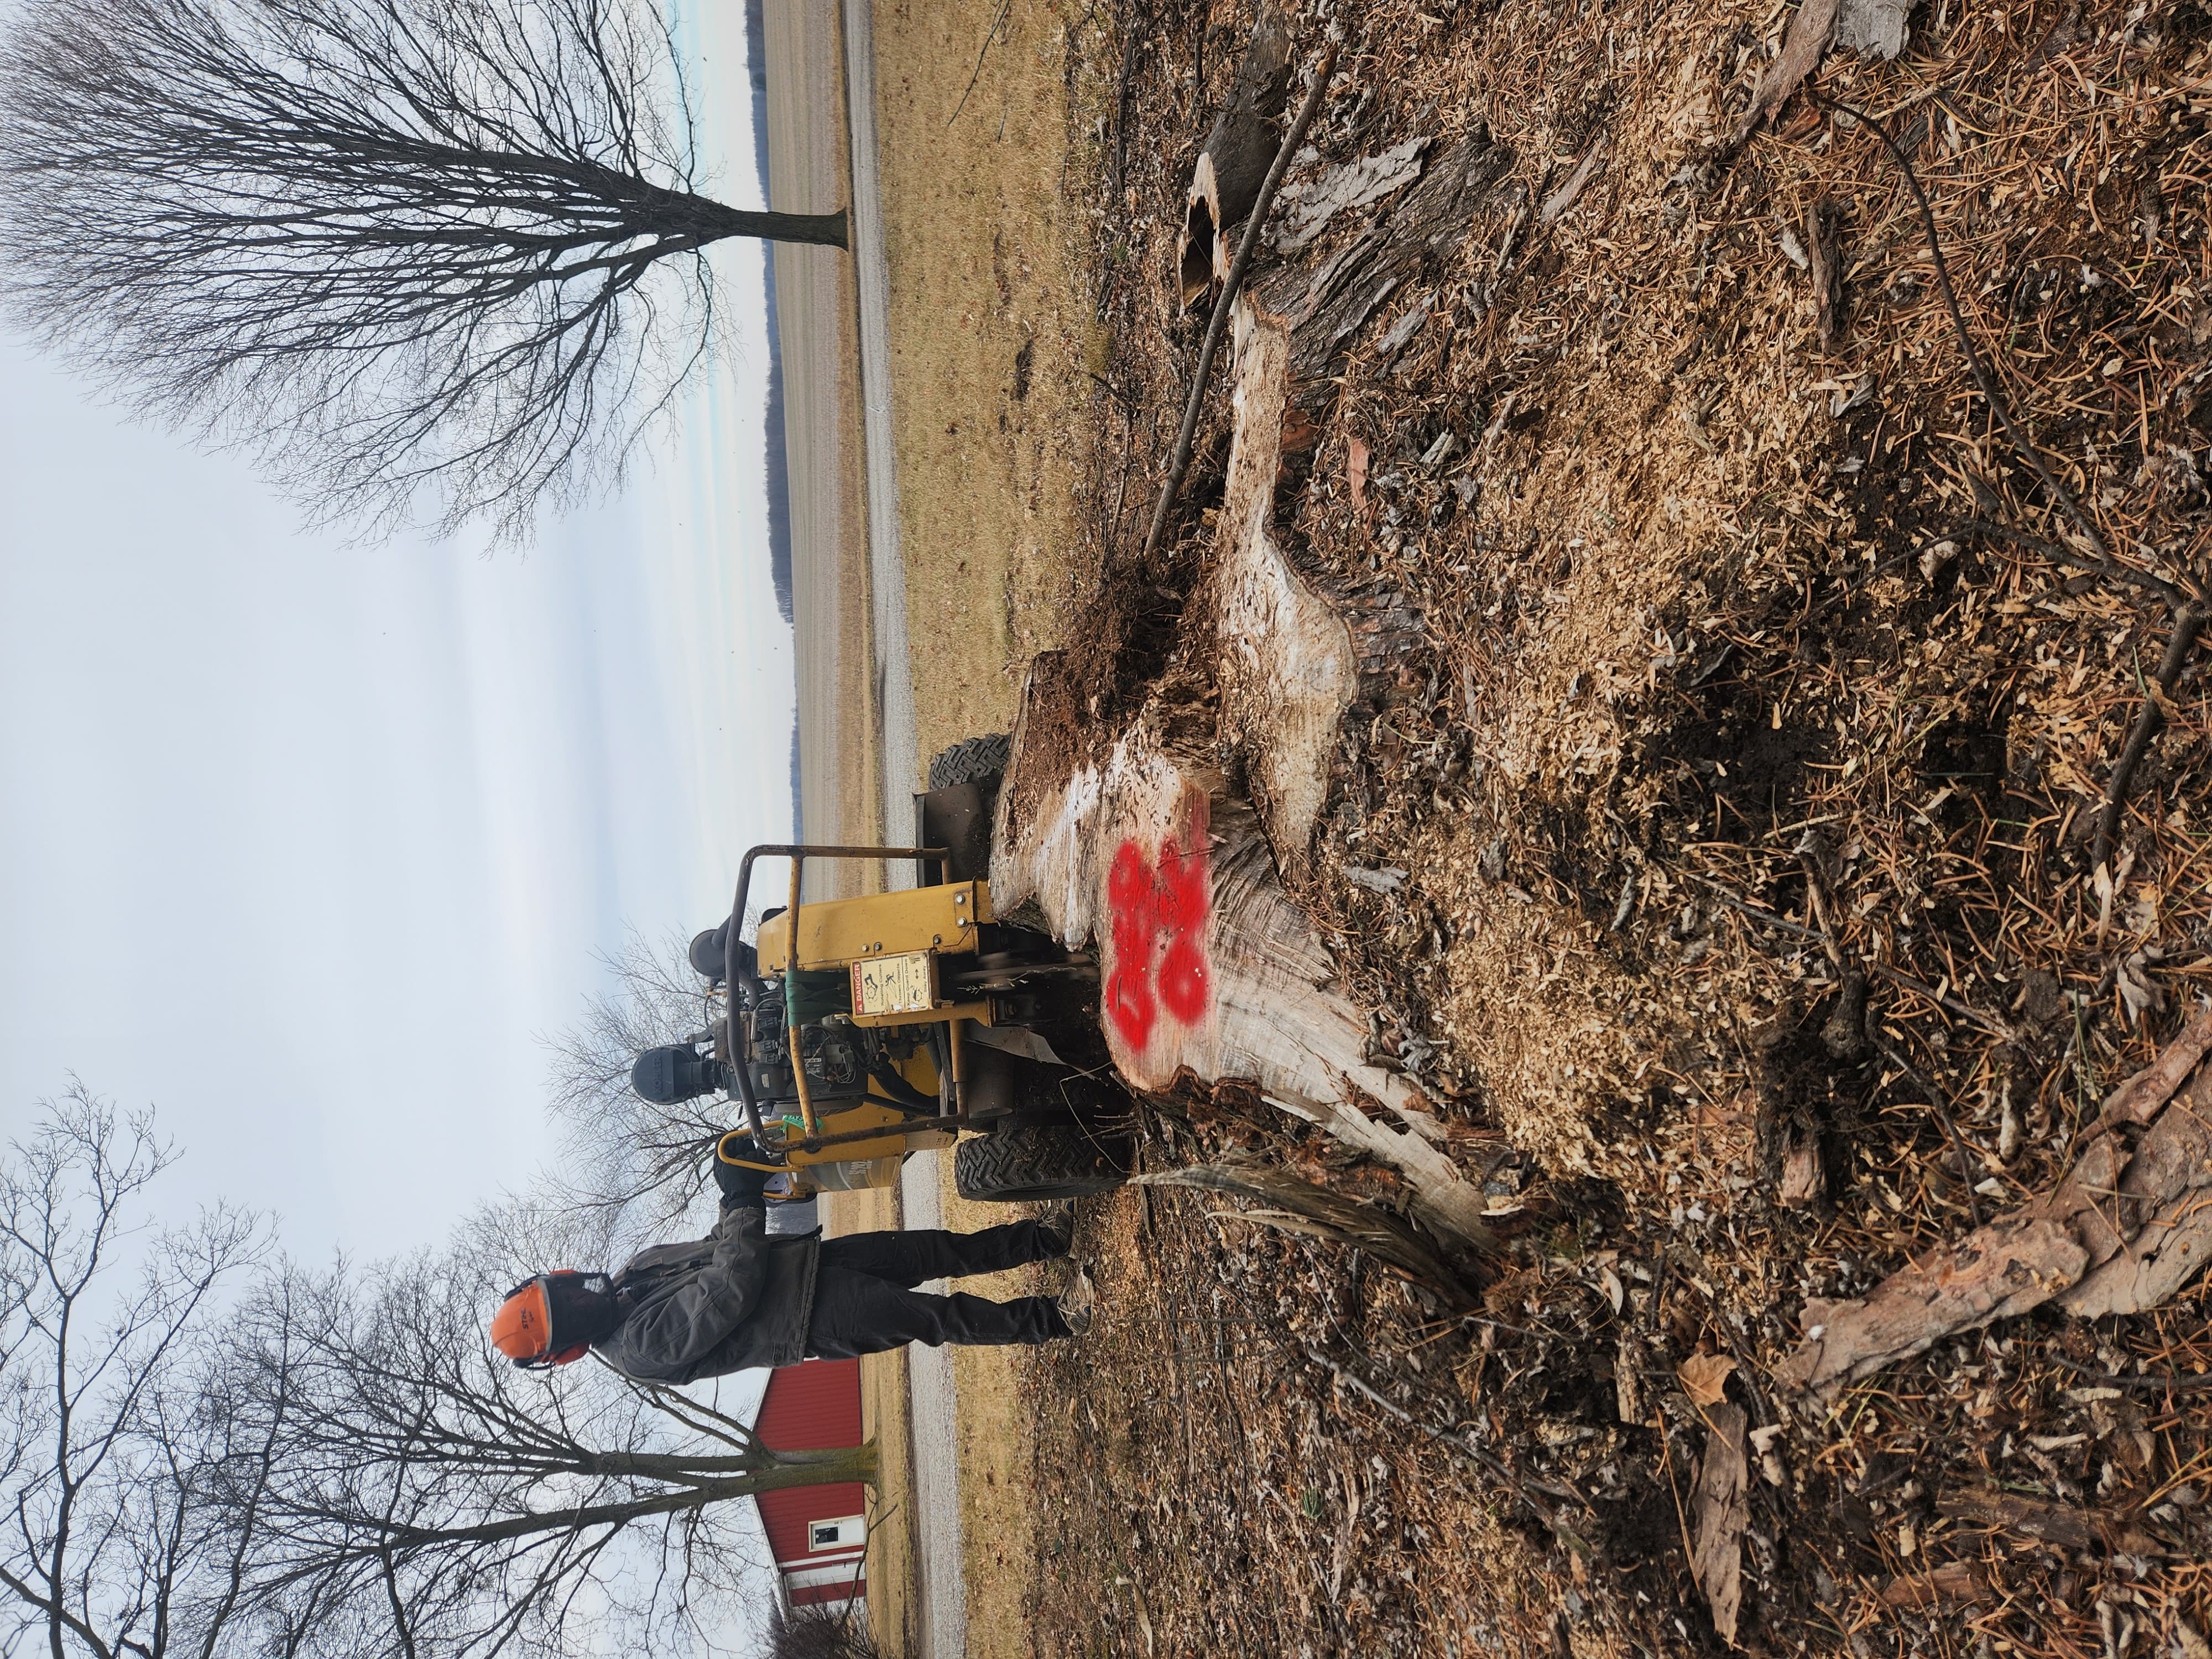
(865, 1301)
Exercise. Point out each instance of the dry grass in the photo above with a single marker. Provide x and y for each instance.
(990, 335)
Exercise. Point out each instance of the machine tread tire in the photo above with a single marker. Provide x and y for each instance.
(1031, 1161)
(973, 760)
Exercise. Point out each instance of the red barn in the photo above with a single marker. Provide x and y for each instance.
(818, 1535)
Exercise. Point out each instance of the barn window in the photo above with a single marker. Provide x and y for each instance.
(850, 1532)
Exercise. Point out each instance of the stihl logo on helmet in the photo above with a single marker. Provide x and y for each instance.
(529, 1327)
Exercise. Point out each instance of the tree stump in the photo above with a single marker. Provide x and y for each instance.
(1210, 974)
(1168, 841)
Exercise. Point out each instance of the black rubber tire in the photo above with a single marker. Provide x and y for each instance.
(973, 760)
(1023, 1162)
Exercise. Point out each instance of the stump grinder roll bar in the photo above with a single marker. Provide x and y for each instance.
(743, 989)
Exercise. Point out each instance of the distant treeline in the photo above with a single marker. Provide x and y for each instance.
(779, 475)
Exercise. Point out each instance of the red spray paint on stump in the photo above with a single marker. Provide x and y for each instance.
(1158, 912)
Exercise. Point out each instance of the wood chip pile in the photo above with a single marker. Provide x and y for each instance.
(1726, 858)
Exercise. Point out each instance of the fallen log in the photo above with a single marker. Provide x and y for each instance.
(1937, 1590)
(2127, 1227)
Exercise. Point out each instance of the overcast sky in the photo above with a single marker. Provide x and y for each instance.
(308, 845)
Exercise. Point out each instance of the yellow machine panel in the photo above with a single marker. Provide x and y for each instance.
(838, 932)
(885, 1151)
(859, 1117)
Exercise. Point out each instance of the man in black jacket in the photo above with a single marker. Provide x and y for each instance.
(739, 1299)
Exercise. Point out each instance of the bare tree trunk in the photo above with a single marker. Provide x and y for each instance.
(815, 229)
(816, 1468)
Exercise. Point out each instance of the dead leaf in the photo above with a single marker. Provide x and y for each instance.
(2137, 993)
(1355, 474)
(1389, 880)
(2106, 884)
(1763, 1442)
(1953, 1581)
(1704, 1377)
(1802, 48)
(1821, 255)
(1564, 197)
(1801, 1171)
(1721, 1508)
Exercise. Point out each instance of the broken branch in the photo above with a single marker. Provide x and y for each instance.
(2188, 620)
(1220, 322)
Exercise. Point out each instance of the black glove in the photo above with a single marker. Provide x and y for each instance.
(742, 1189)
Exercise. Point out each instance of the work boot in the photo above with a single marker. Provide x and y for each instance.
(1075, 1302)
(1057, 1224)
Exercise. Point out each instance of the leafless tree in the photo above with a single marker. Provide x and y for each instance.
(821, 1632)
(424, 258)
(428, 1498)
(116, 1539)
(642, 1166)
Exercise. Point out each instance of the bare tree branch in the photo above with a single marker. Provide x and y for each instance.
(465, 1505)
(637, 1166)
(113, 1532)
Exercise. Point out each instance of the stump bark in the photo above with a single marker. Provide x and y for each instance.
(2129, 1226)
(1225, 180)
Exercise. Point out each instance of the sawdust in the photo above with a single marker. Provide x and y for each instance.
(1723, 608)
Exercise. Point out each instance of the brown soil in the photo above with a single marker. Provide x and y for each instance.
(1696, 584)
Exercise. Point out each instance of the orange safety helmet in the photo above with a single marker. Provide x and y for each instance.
(523, 1328)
